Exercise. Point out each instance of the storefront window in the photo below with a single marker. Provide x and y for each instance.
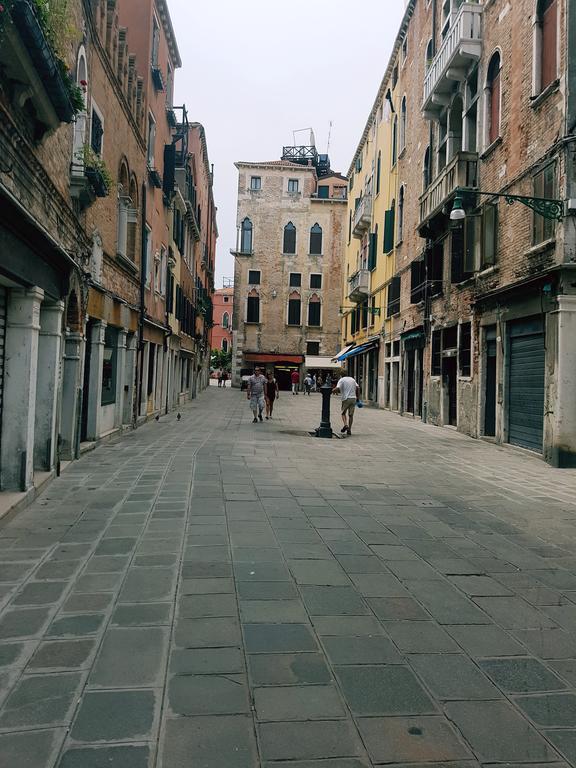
(109, 366)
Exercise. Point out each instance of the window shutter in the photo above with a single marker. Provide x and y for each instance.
(389, 230)
(372, 250)
(169, 169)
(323, 192)
(465, 350)
(436, 369)
(457, 255)
(393, 305)
(417, 280)
(548, 63)
(314, 313)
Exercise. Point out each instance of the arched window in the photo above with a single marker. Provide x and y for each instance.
(316, 240)
(314, 311)
(545, 45)
(427, 169)
(125, 213)
(395, 140)
(403, 119)
(378, 163)
(224, 345)
(294, 308)
(225, 320)
(81, 123)
(493, 98)
(429, 54)
(246, 236)
(400, 232)
(289, 244)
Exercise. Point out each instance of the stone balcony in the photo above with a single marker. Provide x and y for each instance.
(359, 285)
(362, 216)
(461, 46)
(461, 171)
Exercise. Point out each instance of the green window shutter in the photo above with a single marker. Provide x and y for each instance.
(372, 255)
(389, 230)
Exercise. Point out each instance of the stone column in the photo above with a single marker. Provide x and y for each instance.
(94, 393)
(48, 384)
(129, 382)
(120, 377)
(20, 375)
(71, 388)
(562, 450)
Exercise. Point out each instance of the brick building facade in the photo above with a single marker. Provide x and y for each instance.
(288, 268)
(223, 311)
(482, 101)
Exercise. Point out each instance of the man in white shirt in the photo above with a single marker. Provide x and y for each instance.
(256, 394)
(350, 394)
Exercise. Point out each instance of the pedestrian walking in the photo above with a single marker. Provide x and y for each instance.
(350, 394)
(256, 394)
(271, 393)
(219, 379)
(308, 384)
(314, 382)
(224, 379)
(295, 379)
(319, 381)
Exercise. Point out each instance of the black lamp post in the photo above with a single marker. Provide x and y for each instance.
(325, 428)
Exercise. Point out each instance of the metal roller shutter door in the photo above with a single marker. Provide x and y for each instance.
(3, 299)
(526, 385)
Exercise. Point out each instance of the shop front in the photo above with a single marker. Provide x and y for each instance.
(281, 364)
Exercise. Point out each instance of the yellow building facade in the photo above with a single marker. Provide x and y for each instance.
(370, 250)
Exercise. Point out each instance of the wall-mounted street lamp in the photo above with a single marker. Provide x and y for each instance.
(371, 310)
(544, 206)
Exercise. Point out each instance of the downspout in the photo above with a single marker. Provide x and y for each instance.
(143, 271)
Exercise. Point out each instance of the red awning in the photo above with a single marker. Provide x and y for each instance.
(258, 357)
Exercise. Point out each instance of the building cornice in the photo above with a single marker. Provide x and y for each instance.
(385, 80)
(164, 14)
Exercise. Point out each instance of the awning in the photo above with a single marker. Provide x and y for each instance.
(338, 355)
(360, 350)
(316, 361)
(260, 357)
(414, 339)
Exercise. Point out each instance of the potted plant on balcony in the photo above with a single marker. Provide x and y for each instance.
(96, 172)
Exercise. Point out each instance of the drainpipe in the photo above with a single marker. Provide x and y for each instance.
(143, 269)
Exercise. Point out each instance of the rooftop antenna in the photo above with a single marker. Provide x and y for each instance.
(329, 137)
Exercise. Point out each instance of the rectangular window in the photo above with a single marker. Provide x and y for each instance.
(148, 256)
(417, 281)
(435, 269)
(292, 185)
(393, 305)
(373, 251)
(109, 366)
(314, 313)
(372, 315)
(255, 182)
(294, 306)
(163, 269)
(155, 41)
(96, 133)
(544, 186)
(324, 192)
(295, 279)
(489, 235)
(465, 349)
(436, 368)
(312, 347)
(253, 309)
(253, 277)
(462, 252)
(316, 281)
(389, 227)
(151, 140)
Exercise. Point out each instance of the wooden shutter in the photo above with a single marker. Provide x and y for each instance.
(549, 65)
(389, 230)
(169, 169)
(495, 107)
(372, 250)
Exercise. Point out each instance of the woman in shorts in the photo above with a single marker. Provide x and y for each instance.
(270, 393)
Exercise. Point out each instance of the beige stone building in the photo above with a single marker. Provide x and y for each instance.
(288, 264)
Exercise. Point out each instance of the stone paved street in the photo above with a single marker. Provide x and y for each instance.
(211, 593)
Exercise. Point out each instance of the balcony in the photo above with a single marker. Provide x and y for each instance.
(359, 285)
(461, 46)
(362, 216)
(461, 171)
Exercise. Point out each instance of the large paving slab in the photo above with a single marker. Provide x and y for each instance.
(216, 593)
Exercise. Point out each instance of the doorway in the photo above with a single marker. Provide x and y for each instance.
(410, 390)
(490, 384)
(450, 382)
(86, 382)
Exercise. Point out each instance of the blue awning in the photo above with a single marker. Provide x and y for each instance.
(360, 350)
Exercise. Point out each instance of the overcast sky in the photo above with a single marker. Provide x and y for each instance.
(253, 71)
